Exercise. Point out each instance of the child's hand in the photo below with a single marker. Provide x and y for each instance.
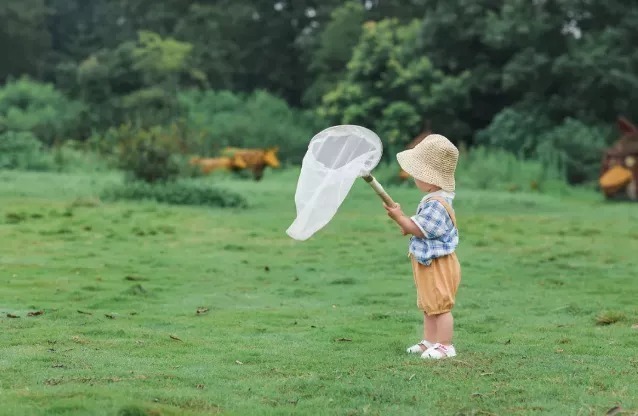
(399, 217)
(394, 212)
(404, 222)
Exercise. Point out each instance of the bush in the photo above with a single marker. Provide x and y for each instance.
(176, 193)
(574, 147)
(490, 168)
(258, 120)
(153, 155)
(73, 156)
(577, 147)
(515, 131)
(29, 106)
(22, 150)
(134, 81)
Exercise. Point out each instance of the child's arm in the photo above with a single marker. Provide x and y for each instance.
(407, 225)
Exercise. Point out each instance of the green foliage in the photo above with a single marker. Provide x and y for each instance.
(513, 71)
(394, 119)
(159, 58)
(495, 169)
(22, 150)
(135, 82)
(578, 147)
(30, 106)
(507, 48)
(334, 50)
(393, 90)
(574, 147)
(258, 120)
(564, 58)
(24, 38)
(175, 193)
(150, 155)
(515, 131)
(73, 156)
(234, 42)
(571, 58)
(216, 52)
(596, 76)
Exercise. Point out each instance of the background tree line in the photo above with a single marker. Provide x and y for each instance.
(542, 79)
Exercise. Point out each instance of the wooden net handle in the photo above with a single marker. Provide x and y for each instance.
(379, 190)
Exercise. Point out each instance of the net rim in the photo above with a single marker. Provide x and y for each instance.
(350, 129)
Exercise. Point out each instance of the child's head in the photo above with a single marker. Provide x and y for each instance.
(431, 163)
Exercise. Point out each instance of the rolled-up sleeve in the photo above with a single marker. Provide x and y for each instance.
(433, 220)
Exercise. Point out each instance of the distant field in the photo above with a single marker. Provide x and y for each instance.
(544, 314)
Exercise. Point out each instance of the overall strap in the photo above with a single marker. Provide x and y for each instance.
(447, 207)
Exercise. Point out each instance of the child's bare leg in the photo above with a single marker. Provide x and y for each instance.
(444, 330)
(444, 324)
(430, 328)
(429, 335)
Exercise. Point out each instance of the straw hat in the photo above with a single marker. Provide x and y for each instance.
(432, 161)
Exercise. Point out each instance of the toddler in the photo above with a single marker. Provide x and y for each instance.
(433, 241)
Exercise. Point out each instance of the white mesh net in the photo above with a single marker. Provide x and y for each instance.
(336, 157)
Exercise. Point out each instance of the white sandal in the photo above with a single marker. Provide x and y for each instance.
(439, 351)
(420, 348)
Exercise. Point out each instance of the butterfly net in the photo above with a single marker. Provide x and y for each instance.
(335, 158)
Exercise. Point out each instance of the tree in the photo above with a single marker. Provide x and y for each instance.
(158, 17)
(598, 75)
(272, 59)
(392, 90)
(39, 109)
(558, 56)
(24, 39)
(334, 50)
(137, 81)
(215, 52)
(404, 10)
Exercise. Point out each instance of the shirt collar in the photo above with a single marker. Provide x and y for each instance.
(442, 193)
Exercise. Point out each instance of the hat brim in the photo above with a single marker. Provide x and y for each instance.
(403, 158)
(407, 159)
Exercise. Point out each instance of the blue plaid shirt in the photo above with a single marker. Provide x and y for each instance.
(441, 236)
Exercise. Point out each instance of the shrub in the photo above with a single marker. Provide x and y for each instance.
(153, 155)
(491, 168)
(29, 106)
(135, 81)
(73, 156)
(572, 145)
(515, 131)
(257, 120)
(22, 150)
(577, 147)
(176, 193)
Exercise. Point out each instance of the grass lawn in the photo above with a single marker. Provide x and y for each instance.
(544, 314)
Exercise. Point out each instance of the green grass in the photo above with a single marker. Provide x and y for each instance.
(543, 319)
